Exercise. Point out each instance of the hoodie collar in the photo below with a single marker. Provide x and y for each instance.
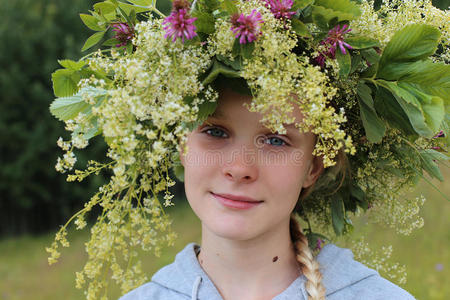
(186, 276)
(339, 269)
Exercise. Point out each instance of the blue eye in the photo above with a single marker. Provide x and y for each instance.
(278, 141)
(214, 132)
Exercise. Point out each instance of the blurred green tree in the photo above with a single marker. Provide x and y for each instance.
(442, 4)
(33, 35)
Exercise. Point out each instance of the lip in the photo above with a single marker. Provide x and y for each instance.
(233, 201)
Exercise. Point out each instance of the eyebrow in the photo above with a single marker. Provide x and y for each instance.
(220, 115)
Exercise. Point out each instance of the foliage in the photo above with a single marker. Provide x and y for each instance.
(379, 96)
(34, 197)
(33, 33)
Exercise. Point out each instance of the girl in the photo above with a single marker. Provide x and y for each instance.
(267, 110)
(244, 182)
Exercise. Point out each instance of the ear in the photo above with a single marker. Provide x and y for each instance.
(314, 171)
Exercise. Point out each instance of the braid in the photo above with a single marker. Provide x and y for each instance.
(308, 265)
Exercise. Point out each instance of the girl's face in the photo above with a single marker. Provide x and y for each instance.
(233, 153)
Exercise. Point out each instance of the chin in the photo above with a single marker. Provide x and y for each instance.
(230, 228)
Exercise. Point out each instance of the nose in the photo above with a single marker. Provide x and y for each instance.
(241, 165)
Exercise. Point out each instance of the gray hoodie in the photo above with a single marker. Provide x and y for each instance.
(343, 278)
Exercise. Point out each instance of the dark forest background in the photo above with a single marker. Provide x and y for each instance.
(34, 34)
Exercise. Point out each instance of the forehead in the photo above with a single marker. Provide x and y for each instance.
(231, 108)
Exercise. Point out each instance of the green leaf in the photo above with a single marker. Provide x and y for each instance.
(349, 203)
(337, 213)
(359, 195)
(204, 22)
(133, 17)
(126, 14)
(425, 112)
(300, 28)
(72, 65)
(387, 106)
(207, 6)
(247, 50)
(142, 2)
(111, 42)
(90, 133)
(106, 9)
(373, 125)
(177, 166)
(339, 10)
(86, 73)
(370, 55)
(91, 22)
(196, 40)
(356, 63)
(219, 68)
(301, 4)
(236, 48)
(192, 125)
(413, 42)
(235, 64)
(129, 48)
(67, 108)
(344, 62)
(178, 170)
(313, 239)
(230, 7)
(362, 42)
(346, 6)
(206, 109)
(319, 17)
(446, 128)
(431, 78)
(65, 82)
(333, 22)
(93, 40)
(370, 71)
(429, 158)
(127, 8)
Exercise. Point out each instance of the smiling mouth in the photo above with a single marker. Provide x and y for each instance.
(247, 203)
(237, 198)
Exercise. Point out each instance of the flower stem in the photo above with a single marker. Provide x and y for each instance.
(92, 53)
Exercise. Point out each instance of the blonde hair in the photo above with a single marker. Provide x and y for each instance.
(308, 264)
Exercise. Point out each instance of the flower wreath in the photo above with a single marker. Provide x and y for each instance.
(373, 83)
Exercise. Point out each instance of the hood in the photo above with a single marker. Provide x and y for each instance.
(186, 276)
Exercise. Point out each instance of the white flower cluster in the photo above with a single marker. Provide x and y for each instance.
(142, 121)
(395, 14)
(399, 213)
(379, 260)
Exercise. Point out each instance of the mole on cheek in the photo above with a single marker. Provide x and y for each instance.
(275, 259)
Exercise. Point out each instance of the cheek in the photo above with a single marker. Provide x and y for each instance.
(198, 172)
(192, 186)
(284, 183)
